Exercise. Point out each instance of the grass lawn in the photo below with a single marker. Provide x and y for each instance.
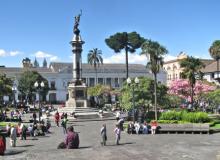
(4, 124)
(216, 126)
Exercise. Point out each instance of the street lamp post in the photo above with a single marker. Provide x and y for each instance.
(133, 84)
(14, 90)
(39, 87)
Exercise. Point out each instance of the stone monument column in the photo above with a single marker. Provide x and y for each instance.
(77, 89)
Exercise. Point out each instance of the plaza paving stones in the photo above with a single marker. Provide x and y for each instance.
(138, 147)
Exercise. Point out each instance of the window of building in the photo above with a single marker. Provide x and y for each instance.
(213, 75)
(91, 82)
(52, 85)
(100, 81)
(108, 81)
(84, 80)
(116, 83)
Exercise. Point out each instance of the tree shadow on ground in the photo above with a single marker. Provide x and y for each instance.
(43, 136)
(28, 145)
(85, 147)
(11, 152)
(121, 144)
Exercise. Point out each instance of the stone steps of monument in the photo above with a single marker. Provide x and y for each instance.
(82, 110)
(77, 110)
(66, 110)
(87, 116)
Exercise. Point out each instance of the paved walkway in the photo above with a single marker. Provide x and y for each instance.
(139, 147)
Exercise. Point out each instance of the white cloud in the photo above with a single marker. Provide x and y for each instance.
(132, 58)
(41, 54)
(4, 53)
(203, 56)
(54, 58)
(14, 53)
(169, 57)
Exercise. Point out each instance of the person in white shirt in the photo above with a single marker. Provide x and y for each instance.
(13, 136)
(137, 127)
(118, 115)
(117, 134)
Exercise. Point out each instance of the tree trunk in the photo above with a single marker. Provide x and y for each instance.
(126, 59)
(155, 96)
(217, 68)
(96, 76)
(192, 93)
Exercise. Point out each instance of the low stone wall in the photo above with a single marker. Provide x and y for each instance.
(184, 128)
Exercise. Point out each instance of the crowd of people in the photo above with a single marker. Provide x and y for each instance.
(145, 128)
(41, 126)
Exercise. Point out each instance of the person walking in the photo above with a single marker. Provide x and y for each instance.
(64, 124)
(117, 134)
(13, 136)
(34, 116)
(57, 118)
(103, 132)
(23, 132)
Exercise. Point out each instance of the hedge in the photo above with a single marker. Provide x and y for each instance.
(192, 117)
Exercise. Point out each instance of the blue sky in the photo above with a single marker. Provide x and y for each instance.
(43, 28)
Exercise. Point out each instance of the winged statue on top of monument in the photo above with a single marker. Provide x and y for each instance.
(77, 20)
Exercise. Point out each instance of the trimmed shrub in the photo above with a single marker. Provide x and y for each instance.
(193, 117)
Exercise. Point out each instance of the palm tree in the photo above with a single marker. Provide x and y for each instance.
(214, 51)
(127, 41)
(191, 69)
(154, 51)
(95, 59)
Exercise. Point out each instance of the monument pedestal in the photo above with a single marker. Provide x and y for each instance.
(77, 95)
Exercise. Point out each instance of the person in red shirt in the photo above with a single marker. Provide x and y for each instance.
(57, 118)
(153, 127)
(2, 145)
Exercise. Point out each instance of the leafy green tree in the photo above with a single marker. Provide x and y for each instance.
(5, 85)
(95, 59)
(213, 97)
(26, 84)
(154, 51)
(127, 41)
(214, 51)
(172, 101)
(143, 94)
(101, 93)
(191, 67)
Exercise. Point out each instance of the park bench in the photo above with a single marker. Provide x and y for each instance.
(183, 128)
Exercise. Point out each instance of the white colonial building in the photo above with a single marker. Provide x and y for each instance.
(59, 74)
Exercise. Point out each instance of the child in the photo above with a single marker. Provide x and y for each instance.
(103, 132)
(117, 134)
